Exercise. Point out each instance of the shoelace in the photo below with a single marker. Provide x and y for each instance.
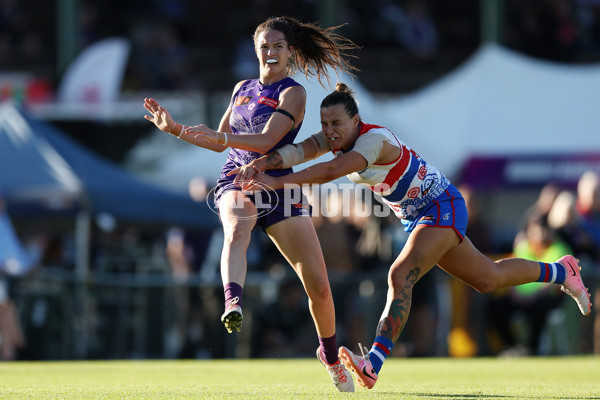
(364, 351)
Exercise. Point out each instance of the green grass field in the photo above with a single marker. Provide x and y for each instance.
(433, 378)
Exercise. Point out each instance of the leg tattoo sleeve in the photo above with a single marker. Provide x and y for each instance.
(391, 326)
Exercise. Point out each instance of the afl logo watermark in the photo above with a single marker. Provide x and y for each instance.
(263, 198)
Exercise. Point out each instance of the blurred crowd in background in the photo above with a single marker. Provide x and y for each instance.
(157, 293)
(190, 45)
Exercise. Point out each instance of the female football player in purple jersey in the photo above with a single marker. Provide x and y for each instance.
(265, 114)
(428, 205)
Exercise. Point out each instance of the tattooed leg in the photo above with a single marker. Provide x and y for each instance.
(420, 254)
(389, 328)
(397, 308)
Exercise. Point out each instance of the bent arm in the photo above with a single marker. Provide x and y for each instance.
(324, 172)
(293, 154)
(292, 100)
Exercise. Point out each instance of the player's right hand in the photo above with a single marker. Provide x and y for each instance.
(159, 115)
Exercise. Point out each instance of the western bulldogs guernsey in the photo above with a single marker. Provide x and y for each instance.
(408, 184)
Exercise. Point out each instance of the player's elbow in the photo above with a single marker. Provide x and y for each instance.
(310, 153)
(264, 144)
(330, 173)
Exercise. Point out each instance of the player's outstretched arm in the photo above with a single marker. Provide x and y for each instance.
(320, 173)
(165, 122)
(292, 102)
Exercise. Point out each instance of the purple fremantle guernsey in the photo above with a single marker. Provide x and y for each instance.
(251, 108)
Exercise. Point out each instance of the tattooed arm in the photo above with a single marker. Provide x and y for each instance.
(285, 157)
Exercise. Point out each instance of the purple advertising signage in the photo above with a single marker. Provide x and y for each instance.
(527, 170)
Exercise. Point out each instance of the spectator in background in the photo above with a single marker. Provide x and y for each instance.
(541, 207)
(588, 209)
(534, 300)
(564, 219)
(187, 252)
(335, 233)
(282, 327)
(15, 260)
(89, 24)
(467, 334)
(159, 58)
(378, 238)
(417, 32)
(566, 33)
(11, 335)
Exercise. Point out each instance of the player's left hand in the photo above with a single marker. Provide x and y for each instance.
(244, 174)
(261, 181)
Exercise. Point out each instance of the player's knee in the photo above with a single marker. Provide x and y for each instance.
(397, 279)
(319, 293)
(236, 233)
(406, 273)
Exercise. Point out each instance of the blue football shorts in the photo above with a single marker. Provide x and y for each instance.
(447, 211)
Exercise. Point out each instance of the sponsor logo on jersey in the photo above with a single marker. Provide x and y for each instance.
(422, 172)
(413, 192)
(268, 101)
(242, 101)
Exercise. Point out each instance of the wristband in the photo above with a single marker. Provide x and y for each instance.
(225, 142)
(181, 133)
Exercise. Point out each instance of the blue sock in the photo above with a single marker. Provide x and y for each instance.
(379, 352)
(552, 272)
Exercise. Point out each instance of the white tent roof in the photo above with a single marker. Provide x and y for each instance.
(497, 103)
(501, 102)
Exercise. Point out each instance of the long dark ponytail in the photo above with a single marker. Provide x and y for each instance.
(314, 48)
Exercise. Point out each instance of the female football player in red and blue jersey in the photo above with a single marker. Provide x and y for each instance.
(428, 205)
(265, 114)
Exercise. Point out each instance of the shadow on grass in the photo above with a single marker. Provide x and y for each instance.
(487, 396)
(465, 396)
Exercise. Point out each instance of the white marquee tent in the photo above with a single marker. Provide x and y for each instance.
(497, 103)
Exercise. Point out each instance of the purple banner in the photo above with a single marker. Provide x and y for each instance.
(527, 170)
